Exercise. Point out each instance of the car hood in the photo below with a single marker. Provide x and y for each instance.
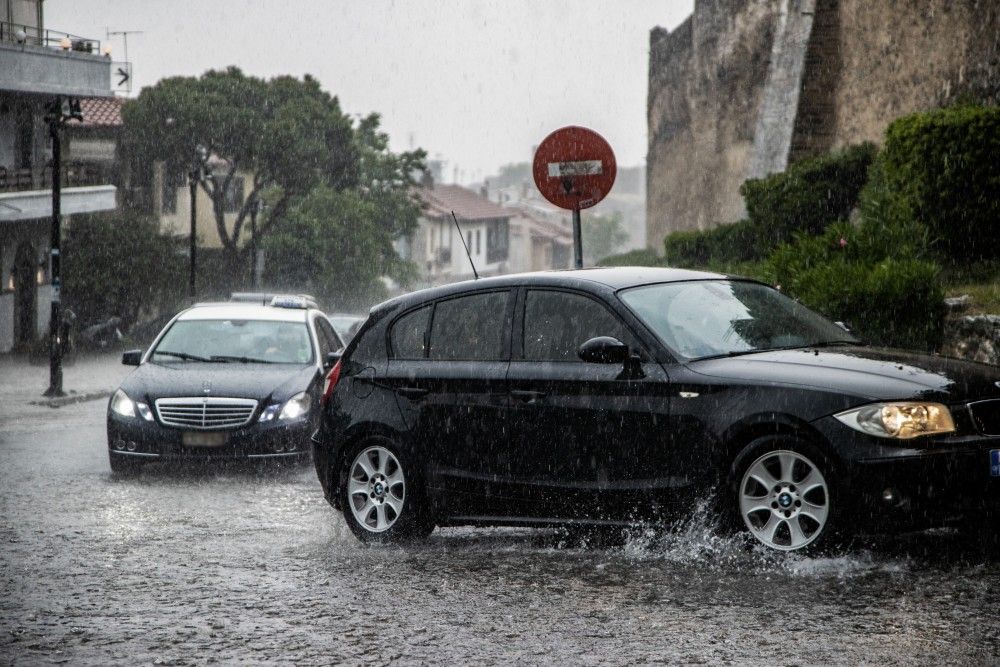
(232, 380)
(868, 373)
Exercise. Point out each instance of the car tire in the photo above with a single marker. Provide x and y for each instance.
(124, 466)
(383, 495)
(783, 492)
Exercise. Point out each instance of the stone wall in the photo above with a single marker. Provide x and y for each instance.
(744, 87)
(973, 337)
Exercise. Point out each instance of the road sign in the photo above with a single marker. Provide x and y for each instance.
(121, 77)
(574, 168)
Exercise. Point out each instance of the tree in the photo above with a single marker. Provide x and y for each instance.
(288, 133)
(603, 235)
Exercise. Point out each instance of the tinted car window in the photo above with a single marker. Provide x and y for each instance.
(328, 335)
(557, 323)
(407, 335)
(470, 327)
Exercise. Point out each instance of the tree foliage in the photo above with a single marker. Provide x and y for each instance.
(289, 134)
(603, 235)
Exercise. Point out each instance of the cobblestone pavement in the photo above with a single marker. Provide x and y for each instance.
(251, 566)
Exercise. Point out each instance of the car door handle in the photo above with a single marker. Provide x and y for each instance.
(412, 392)
(527, 396)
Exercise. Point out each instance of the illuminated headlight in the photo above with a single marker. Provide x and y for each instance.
(295, 407)
(122, 405)
(899, 420)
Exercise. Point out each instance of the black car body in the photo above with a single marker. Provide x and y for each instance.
(201, 406)
(513, 437)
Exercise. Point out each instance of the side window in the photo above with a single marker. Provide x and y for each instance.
(557, 323)
(327, 334)
(470, 327)
(407, 335)
(321, 338)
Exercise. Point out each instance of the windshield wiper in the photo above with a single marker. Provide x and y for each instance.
(836, 343)
(181, 355)
(243, 360)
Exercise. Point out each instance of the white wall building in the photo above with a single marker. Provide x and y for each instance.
(37, 66)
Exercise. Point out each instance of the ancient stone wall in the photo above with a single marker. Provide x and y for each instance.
(744, 87)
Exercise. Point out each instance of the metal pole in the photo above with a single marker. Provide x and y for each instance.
(577, 240)
(55, 319)
(193, 185)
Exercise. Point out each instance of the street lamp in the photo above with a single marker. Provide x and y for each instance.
(194, 178)
(60, 110)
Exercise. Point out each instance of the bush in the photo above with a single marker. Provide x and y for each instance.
(940, 169)
(856, 275)
(119, 265)
(641, 257)
(810, 195)
(736, 242)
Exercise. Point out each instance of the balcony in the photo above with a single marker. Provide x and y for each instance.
(49, 62)
(26, 194)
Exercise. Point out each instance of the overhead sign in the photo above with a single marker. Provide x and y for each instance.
(574, 168)
(121, 77)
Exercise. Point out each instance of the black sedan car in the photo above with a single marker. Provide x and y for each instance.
(609, 396)
(225, 380)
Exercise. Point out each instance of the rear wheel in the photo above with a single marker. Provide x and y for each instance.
(784, 494)
(383, 496)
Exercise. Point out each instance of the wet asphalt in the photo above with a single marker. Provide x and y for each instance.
(251, 565)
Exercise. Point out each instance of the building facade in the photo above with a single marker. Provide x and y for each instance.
(39, 67)
(742, 88)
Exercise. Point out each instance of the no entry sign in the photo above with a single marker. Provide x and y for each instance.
(574, 168)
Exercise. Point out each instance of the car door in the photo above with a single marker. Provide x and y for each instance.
(586, 438)
(448, 369)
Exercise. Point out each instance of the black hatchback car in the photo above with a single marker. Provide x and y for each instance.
(610, 396)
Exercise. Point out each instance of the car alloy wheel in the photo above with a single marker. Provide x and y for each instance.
(784, 500)
(376, 489)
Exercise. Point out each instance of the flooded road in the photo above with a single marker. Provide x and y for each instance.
(240, 565)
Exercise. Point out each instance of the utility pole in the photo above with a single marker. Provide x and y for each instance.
(61, 110)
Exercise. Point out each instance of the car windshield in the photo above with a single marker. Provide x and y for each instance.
(248, 341)
(712, 318)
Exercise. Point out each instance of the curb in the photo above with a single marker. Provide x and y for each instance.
(71, 399)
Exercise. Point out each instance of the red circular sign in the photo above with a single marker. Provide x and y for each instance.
(574, 167)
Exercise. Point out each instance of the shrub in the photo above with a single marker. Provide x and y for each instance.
(854, 274)
(119, 265)
(940, 168)
(641, 257)
(736, 242)
(810, 195)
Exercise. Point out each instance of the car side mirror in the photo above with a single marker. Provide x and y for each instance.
(132, 357)
(332, 358)
(603, 350)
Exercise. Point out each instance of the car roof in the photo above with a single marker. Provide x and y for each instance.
(613, 278)
(243, 311)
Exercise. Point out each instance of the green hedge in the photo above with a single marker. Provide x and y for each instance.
(810, 195)
(942, 169)
(641, 257)
(857, 275)
(736, 242)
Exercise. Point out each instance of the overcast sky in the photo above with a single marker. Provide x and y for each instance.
(477, 83)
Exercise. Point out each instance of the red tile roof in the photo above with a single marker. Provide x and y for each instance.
(441, 200)
(101, 112)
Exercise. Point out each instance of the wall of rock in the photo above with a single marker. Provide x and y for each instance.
(973, 337)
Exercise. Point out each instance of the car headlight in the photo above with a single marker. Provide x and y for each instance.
(295, 407)
(903, 420)
(122, 405)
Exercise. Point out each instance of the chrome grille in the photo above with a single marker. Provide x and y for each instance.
(205, 412)
(986, 415)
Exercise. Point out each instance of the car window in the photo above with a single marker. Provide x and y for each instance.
(327, 336)
(407, 334)
(263, 340)
(557, 323)
(471, 327)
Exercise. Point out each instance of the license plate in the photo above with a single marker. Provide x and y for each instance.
(204, 439)
(995, 462)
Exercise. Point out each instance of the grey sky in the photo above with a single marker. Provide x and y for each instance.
(478, 83)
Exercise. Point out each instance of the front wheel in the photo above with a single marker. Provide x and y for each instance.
(784, 494)
(383, 497)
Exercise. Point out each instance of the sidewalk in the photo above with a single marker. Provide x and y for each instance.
(91, 377)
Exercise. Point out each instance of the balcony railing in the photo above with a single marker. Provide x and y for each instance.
(73, 174)
(54, 39)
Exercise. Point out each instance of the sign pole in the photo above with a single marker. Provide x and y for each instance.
(577, 240)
